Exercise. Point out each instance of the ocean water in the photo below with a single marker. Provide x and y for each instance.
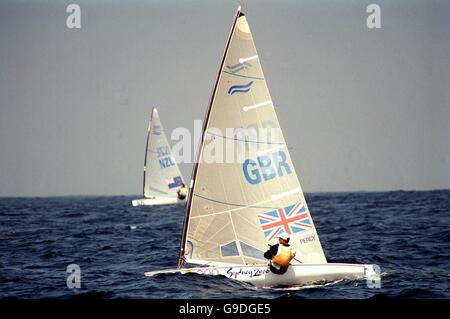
(406, 233)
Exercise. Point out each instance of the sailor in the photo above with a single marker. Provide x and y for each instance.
(280, 255)
(182, 192)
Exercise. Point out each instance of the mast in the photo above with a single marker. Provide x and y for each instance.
(146, 149)
(181, 259)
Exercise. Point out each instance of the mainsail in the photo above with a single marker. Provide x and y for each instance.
(235, 209)
(162, 178)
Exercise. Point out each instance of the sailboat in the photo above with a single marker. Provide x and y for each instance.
(235, 210)
(162, 177)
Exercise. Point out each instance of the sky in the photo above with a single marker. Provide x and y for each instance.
(361, 109)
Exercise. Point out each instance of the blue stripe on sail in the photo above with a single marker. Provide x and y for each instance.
(267, 233)
(240, 88)
(263, 221)
(239, 91)
(305, 221)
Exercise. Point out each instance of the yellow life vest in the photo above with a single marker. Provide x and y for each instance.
(183, 191)
(283, 256)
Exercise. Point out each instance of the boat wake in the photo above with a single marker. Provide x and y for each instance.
(302, 287)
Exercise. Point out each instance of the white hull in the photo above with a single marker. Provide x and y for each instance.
(301, 274)
(157, 201)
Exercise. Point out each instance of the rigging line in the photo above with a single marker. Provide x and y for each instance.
(243, 76)
(218, 232)
(241, 140)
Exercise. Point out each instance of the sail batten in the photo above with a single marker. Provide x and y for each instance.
(236, 208)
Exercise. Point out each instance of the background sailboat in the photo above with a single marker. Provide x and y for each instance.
(162, 177)
(236, 209)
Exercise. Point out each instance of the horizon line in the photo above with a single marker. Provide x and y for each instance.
(311, 192)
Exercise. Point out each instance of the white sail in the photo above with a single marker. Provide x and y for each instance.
(236, 209)
(162, 177)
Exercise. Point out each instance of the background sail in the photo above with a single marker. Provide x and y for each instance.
(236, 209)
(161, 174)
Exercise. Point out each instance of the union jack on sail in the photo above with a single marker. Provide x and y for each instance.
(285, 221)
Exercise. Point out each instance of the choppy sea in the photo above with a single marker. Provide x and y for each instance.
(406, 233)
